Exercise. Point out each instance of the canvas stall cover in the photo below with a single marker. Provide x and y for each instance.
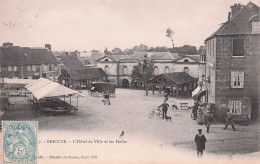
(44, 88)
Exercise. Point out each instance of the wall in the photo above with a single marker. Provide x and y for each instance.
(225, 62)
(161, 66)
(193, 68)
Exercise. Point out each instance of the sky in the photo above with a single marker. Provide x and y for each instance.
(96, 24)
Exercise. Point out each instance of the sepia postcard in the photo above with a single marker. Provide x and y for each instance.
(129, 81)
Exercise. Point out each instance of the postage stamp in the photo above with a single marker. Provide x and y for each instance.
(19, 142)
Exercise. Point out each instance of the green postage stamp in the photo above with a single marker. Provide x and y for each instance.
(19, 142)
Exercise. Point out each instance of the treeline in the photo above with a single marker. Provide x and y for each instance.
(186, 49)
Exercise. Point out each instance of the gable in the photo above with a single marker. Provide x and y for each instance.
(106, 59)
(185, 60)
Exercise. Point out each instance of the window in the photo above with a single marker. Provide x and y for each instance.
(238, 47)
(125, 70)
(237, 79)
(166, 69)
(156, 70)
(34, 68)
(106, 69)
(15, 68)
(9, 68)
(106, 60)
(186, 69)
(29, 68)
(256, 27)
(234, 105)
(186, 60)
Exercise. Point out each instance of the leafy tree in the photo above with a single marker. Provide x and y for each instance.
(117, 51)
(186, 49)
(143, 71)
(140, 48)
(201, 49)
(128, 51)
(169, 34)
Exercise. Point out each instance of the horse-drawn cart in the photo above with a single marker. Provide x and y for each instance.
(99, 88)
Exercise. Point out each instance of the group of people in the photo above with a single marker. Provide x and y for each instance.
(197, 111)
(200, 139)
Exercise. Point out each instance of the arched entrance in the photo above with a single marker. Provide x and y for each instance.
(125, 83)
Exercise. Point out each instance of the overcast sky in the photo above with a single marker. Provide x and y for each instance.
(96, 24)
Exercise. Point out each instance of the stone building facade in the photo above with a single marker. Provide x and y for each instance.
(28, 63)
(232, 63)
(119, 67)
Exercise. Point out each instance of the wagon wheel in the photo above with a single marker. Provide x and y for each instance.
(151, 114)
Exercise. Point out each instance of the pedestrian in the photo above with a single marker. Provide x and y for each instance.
(166, 95)
(229, 121)
(195, 109)
(165, 107)
(200, 141)
(200, 115)
(208, 118)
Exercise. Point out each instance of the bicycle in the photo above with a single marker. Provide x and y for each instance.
(157, 112)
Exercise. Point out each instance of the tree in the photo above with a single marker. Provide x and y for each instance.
(117, 51)
(128, 52)
(143, 71)
(186, 49)
(169, 33)
(140, 48)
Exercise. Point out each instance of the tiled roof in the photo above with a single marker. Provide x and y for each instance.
(71, 62)
(95, 56)
(137, 56)
(161, 56)
(118, 57)
(150, 55)
(16, 55)
(240, 23)
(113, 57)
(86, 73)
(176, 77)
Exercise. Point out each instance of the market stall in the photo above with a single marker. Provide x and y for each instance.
(47, 94)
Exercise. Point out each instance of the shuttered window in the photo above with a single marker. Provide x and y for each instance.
(238, 47)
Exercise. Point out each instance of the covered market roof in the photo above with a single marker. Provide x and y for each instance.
(44, 88)
(175, 77)
(86, 73)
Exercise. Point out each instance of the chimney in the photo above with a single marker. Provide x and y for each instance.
(7, 44)
(235, 9)
(48, 47)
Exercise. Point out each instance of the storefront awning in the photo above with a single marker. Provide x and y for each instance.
(198, 96)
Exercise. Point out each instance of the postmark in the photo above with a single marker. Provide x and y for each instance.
(19, 142)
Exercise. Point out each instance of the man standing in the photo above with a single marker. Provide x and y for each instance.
(208, 118)
(229, 121)
(200, 140)
(165, 107)
(195, 109)
(166, 95)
